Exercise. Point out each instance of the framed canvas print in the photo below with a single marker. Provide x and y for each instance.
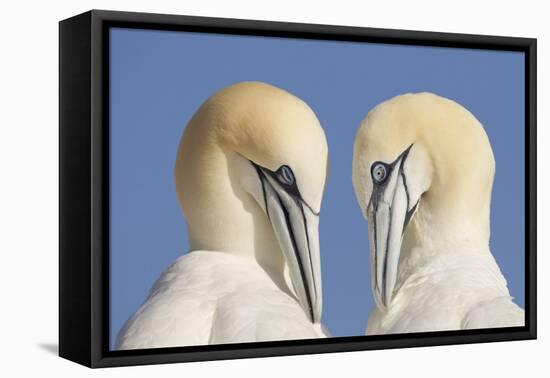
(233, 188)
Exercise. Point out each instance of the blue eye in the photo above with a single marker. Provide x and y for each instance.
(285, 175)
(379, 172)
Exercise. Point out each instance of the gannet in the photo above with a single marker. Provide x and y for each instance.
(423, 172)
(249, 174)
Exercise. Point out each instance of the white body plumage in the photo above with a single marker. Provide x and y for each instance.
(460, 289)
(209, 297)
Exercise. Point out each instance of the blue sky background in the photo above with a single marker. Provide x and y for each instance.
(160, 78)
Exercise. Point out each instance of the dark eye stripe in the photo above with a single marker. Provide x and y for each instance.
(285, 175)
(287, 180)
(379, 172)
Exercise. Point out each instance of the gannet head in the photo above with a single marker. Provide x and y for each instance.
(250, 172)
(423, 170)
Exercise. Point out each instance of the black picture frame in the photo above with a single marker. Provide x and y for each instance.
(84, 188)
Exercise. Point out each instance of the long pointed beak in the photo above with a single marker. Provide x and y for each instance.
(389, 213)
(296, 227)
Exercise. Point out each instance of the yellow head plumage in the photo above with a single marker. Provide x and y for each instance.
(250, 175)
(423, 171)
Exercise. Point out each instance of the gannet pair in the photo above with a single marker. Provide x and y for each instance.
(423, 171)
(250, 174)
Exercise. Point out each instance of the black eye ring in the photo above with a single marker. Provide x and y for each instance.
(379, 172)
(285, 175)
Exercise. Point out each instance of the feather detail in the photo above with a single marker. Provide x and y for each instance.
(208, 297)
